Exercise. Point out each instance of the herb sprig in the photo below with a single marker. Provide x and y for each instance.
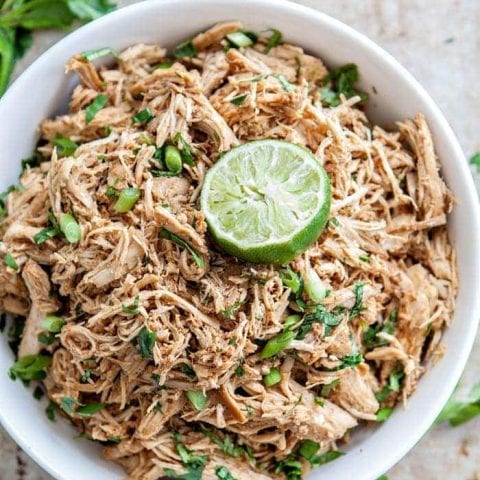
(20, 17)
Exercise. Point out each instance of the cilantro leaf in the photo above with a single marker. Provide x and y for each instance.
(146, 342)
(475, 161)
(341, 80)
(458, 411)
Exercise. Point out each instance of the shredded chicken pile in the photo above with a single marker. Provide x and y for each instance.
(384, 256)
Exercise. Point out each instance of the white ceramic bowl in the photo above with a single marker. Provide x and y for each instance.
(43, 90)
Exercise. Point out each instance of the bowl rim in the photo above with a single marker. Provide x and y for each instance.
(353, 35)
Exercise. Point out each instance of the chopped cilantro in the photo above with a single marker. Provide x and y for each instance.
(146, 342)
(341, 80)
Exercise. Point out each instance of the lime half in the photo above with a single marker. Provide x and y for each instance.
(266, 201)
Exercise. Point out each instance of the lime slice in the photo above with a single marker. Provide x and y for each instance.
(266, 201)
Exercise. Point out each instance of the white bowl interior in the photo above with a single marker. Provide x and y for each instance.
(372, 451)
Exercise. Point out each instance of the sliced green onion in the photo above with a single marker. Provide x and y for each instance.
(67, 404)
(126, 200)
(185, 49)
(70, 228)
(291, 280)
(274, 39)
(314, 287)
(197, 398)
(308, 449)
(9, 261)
(65, 146)
(30, 367)
(91, 55)
(173, 159)
(291, 321)
(90, 409)
(277, 344)
(239, 39)
(143, 116)
(164, 65)
(383, 414)
(286, 85)
(272, 377)
(52, 323)
(97, 105)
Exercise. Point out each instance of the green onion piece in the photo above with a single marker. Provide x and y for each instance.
(50, 411)
(146, 342)
(223, 473)
(173, 159)
(9, 261)
(126, 200)
(143, 116)
(291, 321)
(164, 65)
(30, 367)
(272, 377)
(65, 146)
(327, 457)
(383, 414)
(188, 371)
(52, 323)
(97, 105)
(92, 55)
(70, 228)
(186, 150)
(274, 39)
(239, 39)
(90, 409)
(286, 85)
(308, 449)
(314, 287)
(197, 398)
(185, 49)
(277, 344)
(238, 100)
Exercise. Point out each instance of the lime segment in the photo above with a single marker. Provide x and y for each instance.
(266, 201)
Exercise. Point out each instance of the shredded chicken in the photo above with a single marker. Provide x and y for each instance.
(162, 329)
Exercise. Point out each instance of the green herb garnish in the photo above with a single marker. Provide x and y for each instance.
(90, 409)
(230, 312)
(185, 49)
(475, 161)
(30, 367)
(188, 371)
(223, 473)
(197, 398)
(383, 414)
(92, 55)
(133, 308)
(146, 342)
(186, 150)
(52, 323)
(144, 116)
(272, 377)
(70, 228)
(286, 85)
(49, 232)
(126, 200)
(67, 404)
(274, 39)
(458, 411)
(9, 261)
(358, 305)
(370, 336)
(238, 100)
(341, 80)
(97, 105)
(167, 235)
(277, 344)
(241, 39)
(319, 315)
(65, 146)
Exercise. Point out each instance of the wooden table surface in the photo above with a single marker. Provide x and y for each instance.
(439, 42)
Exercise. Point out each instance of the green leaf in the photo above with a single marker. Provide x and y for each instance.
(226, 444)
(475, 161)
(358, 305)
(30, 367)
(90, 409)
(7, 58)
(230, 312)
(274, 39)
(341, 80)
(38, 393)
(39, 14)
(291, 280)
(65, 146)
(67, 404)
(143, 116)
(223, 473)
(23, 41)
(319, 315)
(308, 449)
(238, 100)
(185, 49)
(188, 371)
(97, 105)
(146, 342)
(50, 411)
(197, 398)
(276, 344)
(185, 150)
(457, 411)
(133, 308)
(53, 323)
(291, 468)
(9, 261)
(370, 336)
(90, 9)
(351, 361)
(51, 231)
(167, 235)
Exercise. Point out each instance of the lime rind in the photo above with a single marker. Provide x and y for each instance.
(266, 201)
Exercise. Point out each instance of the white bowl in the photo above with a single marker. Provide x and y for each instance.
(43, 91)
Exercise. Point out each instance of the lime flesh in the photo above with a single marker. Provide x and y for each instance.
(266, 201)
